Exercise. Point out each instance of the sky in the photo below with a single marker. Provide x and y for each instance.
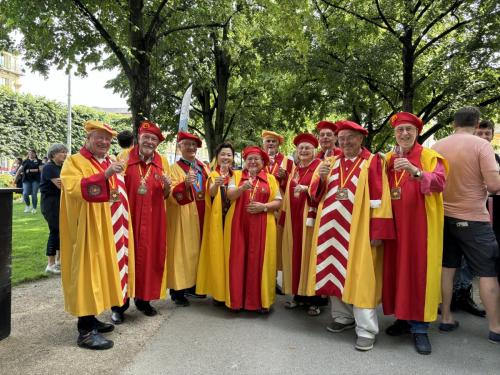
(87, 91)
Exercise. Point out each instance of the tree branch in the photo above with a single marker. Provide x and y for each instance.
(423, 11)
(440, 36)
(107, 38)
(389, 28)
(359, 16)
(155, 22)
(324, 20)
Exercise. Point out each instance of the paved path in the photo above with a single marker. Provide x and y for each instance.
(204, 339)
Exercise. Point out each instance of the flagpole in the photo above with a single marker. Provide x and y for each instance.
(68, 136)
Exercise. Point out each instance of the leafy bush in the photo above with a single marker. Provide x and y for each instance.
(6, 180)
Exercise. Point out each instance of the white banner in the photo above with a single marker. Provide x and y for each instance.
(186, 103)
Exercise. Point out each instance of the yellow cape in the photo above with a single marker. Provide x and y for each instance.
(90, 274)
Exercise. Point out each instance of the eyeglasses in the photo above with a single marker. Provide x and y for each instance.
(409, 129)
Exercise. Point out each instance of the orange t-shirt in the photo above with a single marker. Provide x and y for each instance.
(470, 159)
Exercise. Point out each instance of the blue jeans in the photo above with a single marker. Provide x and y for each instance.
(30, 188)
(418, 327)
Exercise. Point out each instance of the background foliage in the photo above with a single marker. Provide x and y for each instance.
(28, 121)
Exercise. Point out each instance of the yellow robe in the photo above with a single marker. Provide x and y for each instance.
(363, 282)
(89, 267)
(183, 237)
(211, 276)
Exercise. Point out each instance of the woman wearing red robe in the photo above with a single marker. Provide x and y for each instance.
(297, 224)
(250, 235)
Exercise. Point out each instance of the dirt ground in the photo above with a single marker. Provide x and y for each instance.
(43, 335)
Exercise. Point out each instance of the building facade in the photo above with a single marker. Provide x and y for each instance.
(10, 70)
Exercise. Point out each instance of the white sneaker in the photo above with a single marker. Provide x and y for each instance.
(57, 266)
(27, 209)
(52, 269)
(33, 211)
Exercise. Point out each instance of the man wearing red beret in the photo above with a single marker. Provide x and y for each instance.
(148, 185)
(412, 263)
(353, 218)
(327, 139)
(186, 207)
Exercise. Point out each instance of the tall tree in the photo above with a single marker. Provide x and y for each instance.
(82, 32)
(411, 55)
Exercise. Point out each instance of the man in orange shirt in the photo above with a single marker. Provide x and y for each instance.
(467, 228)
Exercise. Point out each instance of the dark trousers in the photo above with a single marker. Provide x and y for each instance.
(86, 323)
(50, 211)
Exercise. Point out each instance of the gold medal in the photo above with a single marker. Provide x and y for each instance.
(114, 195)
(396, 193)
(342, 194)
(200, 196)
(142, 189)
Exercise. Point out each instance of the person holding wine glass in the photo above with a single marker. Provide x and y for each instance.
(148, 185)
(412, 262)
(250, 234)
(211, 275)
(327, 139)
(297, 233)
(186, 208)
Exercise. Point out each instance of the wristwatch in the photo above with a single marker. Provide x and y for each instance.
(418, 173)
(265, 208)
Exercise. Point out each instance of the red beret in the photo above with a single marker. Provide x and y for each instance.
(407, 118)
(326, 125)
(150, 127)
(305, 137)
(255, 150)
(184, 135)
(350, 125)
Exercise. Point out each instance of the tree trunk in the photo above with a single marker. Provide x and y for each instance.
(140, 100)
(203, 97)
(222, 76)
(408, 58)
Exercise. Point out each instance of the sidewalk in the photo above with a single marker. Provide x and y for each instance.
(204, 339)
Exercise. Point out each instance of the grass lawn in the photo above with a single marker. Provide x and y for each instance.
(29, 238)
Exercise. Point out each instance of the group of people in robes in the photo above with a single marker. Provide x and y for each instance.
(338, 221)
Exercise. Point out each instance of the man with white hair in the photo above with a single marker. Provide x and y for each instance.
(97, 248)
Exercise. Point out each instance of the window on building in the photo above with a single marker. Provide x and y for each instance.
(2, 59)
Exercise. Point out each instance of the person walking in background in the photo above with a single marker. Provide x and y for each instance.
(18, 177)
(31, 168)
(125, 140)
(50, 189)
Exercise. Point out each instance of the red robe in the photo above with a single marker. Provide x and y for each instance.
(412, 262)
(248, 246)
(149, 224)
(297, 206)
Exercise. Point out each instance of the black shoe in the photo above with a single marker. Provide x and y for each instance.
(466, 303)
(146, 308)
(422, 343)
(398, 328)
(93, 340)
(279, 291)
(181, 301)
(191, 293)
(104, 327)
(117, 317)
